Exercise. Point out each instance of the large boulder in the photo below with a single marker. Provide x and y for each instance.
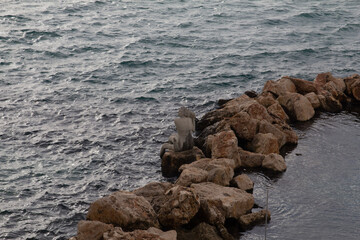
(249, 220)
(243, 125)
(154, 193)
(218, 203)
(266, 127)
(353, 86)
(250, 159)
(123, 209)
(202, 231)
(171, 161)
(266, 99)
(274, 162)
(225, 145)
(92, 230)
(313, 99)
(243, 182)
(149, 234)
(275, 110)
(220, 175)
(323, 78)
(302, 86)
(297, 106)
(264, 143)
(328, 102)
(279, 87)
(192, 175)
(180, 207)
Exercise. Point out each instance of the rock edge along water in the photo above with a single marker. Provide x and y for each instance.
(246, 132)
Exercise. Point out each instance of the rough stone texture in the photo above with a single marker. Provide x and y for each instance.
(266, 99)
(191, 175)
(219, 203)
(291, 136)
(154, 193)
(302, 86)
(329, 103)
(275, 110)
(171, 161)
(266, 127)
(250, 159)
(274, 162)
(149, 234)
(124, 209)
(264, 143)
(313, 99)
(255, 110)
(243, 182)
(227, 162)
(92, 230)
(243, 125)
(202, 231)
(323, 78)
(279, 87)
(220, 175)
(180, 207)
(201, 163)
(224, 145)
(249, 220)
(297, 106)
(353, 86)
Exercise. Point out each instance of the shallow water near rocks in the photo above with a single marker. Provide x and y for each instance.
(89, 90)
(318, 197)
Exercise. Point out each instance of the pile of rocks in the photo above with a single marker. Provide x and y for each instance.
(245, 132)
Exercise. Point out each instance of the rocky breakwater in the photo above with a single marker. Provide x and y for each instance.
(211, 191)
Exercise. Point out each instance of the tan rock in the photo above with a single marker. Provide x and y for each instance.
(249, 220)
(180, 207)
(243, 182)
(243, 125)
(227, 162)
(302, 86)
(92, 230)
(123, 209)
(313, 99)
(192, 175)
(154, 193)
(266, 99)
(280, 87)
(225, 145)
(274, 162)
(220, 175)
(250, 159)
(218, 202)
(264, 143)
(323, 78)
(150, 234)
(255, 110)
(328, 102)
(275, 110)
(291, 136)
(297, 106)
(266, 127)
(353, 86)
(171, 161)
(202, 231)
(201, 163)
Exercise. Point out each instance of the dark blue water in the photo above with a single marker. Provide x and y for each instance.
(88, 91)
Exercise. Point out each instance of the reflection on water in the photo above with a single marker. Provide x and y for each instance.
(318, 197)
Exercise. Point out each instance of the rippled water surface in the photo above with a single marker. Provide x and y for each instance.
(88, 91)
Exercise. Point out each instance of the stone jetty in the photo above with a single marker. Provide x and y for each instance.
(210, 191)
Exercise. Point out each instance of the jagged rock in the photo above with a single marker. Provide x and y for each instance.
(249, 220)
(123, 209)
(297, 106)
(279, 87)
(323, 78)
(180, 207)
(291, 136)
(149, 234)
(220, 175)
(243, 182)
(255, 110)
(251, 94)
(201, 163)
(264, 143)
(250, 159)
(154, 193)
(353, 86)
(274, 162)
(227, 162)
(266, 99)
(313, 99)
(266, 127)
(92, 230)
(275, 110)
(225, 145)
(171, 161)
(202, 231)
(218, 203)
(243, 125)
(302, 86)
(191, 175)
(328, 102)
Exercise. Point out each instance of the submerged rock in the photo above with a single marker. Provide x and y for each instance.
(123, 209)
